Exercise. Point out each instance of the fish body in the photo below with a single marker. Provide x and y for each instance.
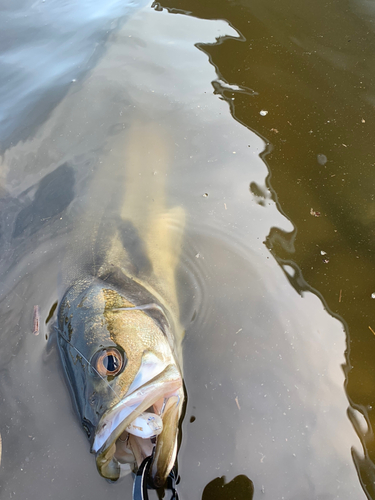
(119, 335)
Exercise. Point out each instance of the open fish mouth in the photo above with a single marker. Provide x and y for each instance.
(145, 419)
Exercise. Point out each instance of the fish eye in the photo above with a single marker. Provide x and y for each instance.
(108, 362)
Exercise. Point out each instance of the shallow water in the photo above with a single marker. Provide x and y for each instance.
(275, 274)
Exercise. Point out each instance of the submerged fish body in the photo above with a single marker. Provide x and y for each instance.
(119, 335)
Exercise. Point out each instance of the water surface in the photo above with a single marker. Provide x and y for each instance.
(263, 128)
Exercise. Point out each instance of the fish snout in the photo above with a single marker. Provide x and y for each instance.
(147, 418)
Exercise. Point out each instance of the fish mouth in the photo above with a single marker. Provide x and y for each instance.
(145, 420)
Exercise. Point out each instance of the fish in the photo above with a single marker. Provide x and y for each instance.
(118, 329)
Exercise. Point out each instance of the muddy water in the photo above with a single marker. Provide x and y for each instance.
(264, 114)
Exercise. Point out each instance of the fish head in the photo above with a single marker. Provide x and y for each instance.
(120, 361)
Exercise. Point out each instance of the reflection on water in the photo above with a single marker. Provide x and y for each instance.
(317, 88)
(45, 48)
(262, 359)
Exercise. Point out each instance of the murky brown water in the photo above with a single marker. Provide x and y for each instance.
(265, 110)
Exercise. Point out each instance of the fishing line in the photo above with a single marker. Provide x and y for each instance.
(88, 362)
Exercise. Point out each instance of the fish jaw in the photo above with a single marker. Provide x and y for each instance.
(165, 386)
(166, 443)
